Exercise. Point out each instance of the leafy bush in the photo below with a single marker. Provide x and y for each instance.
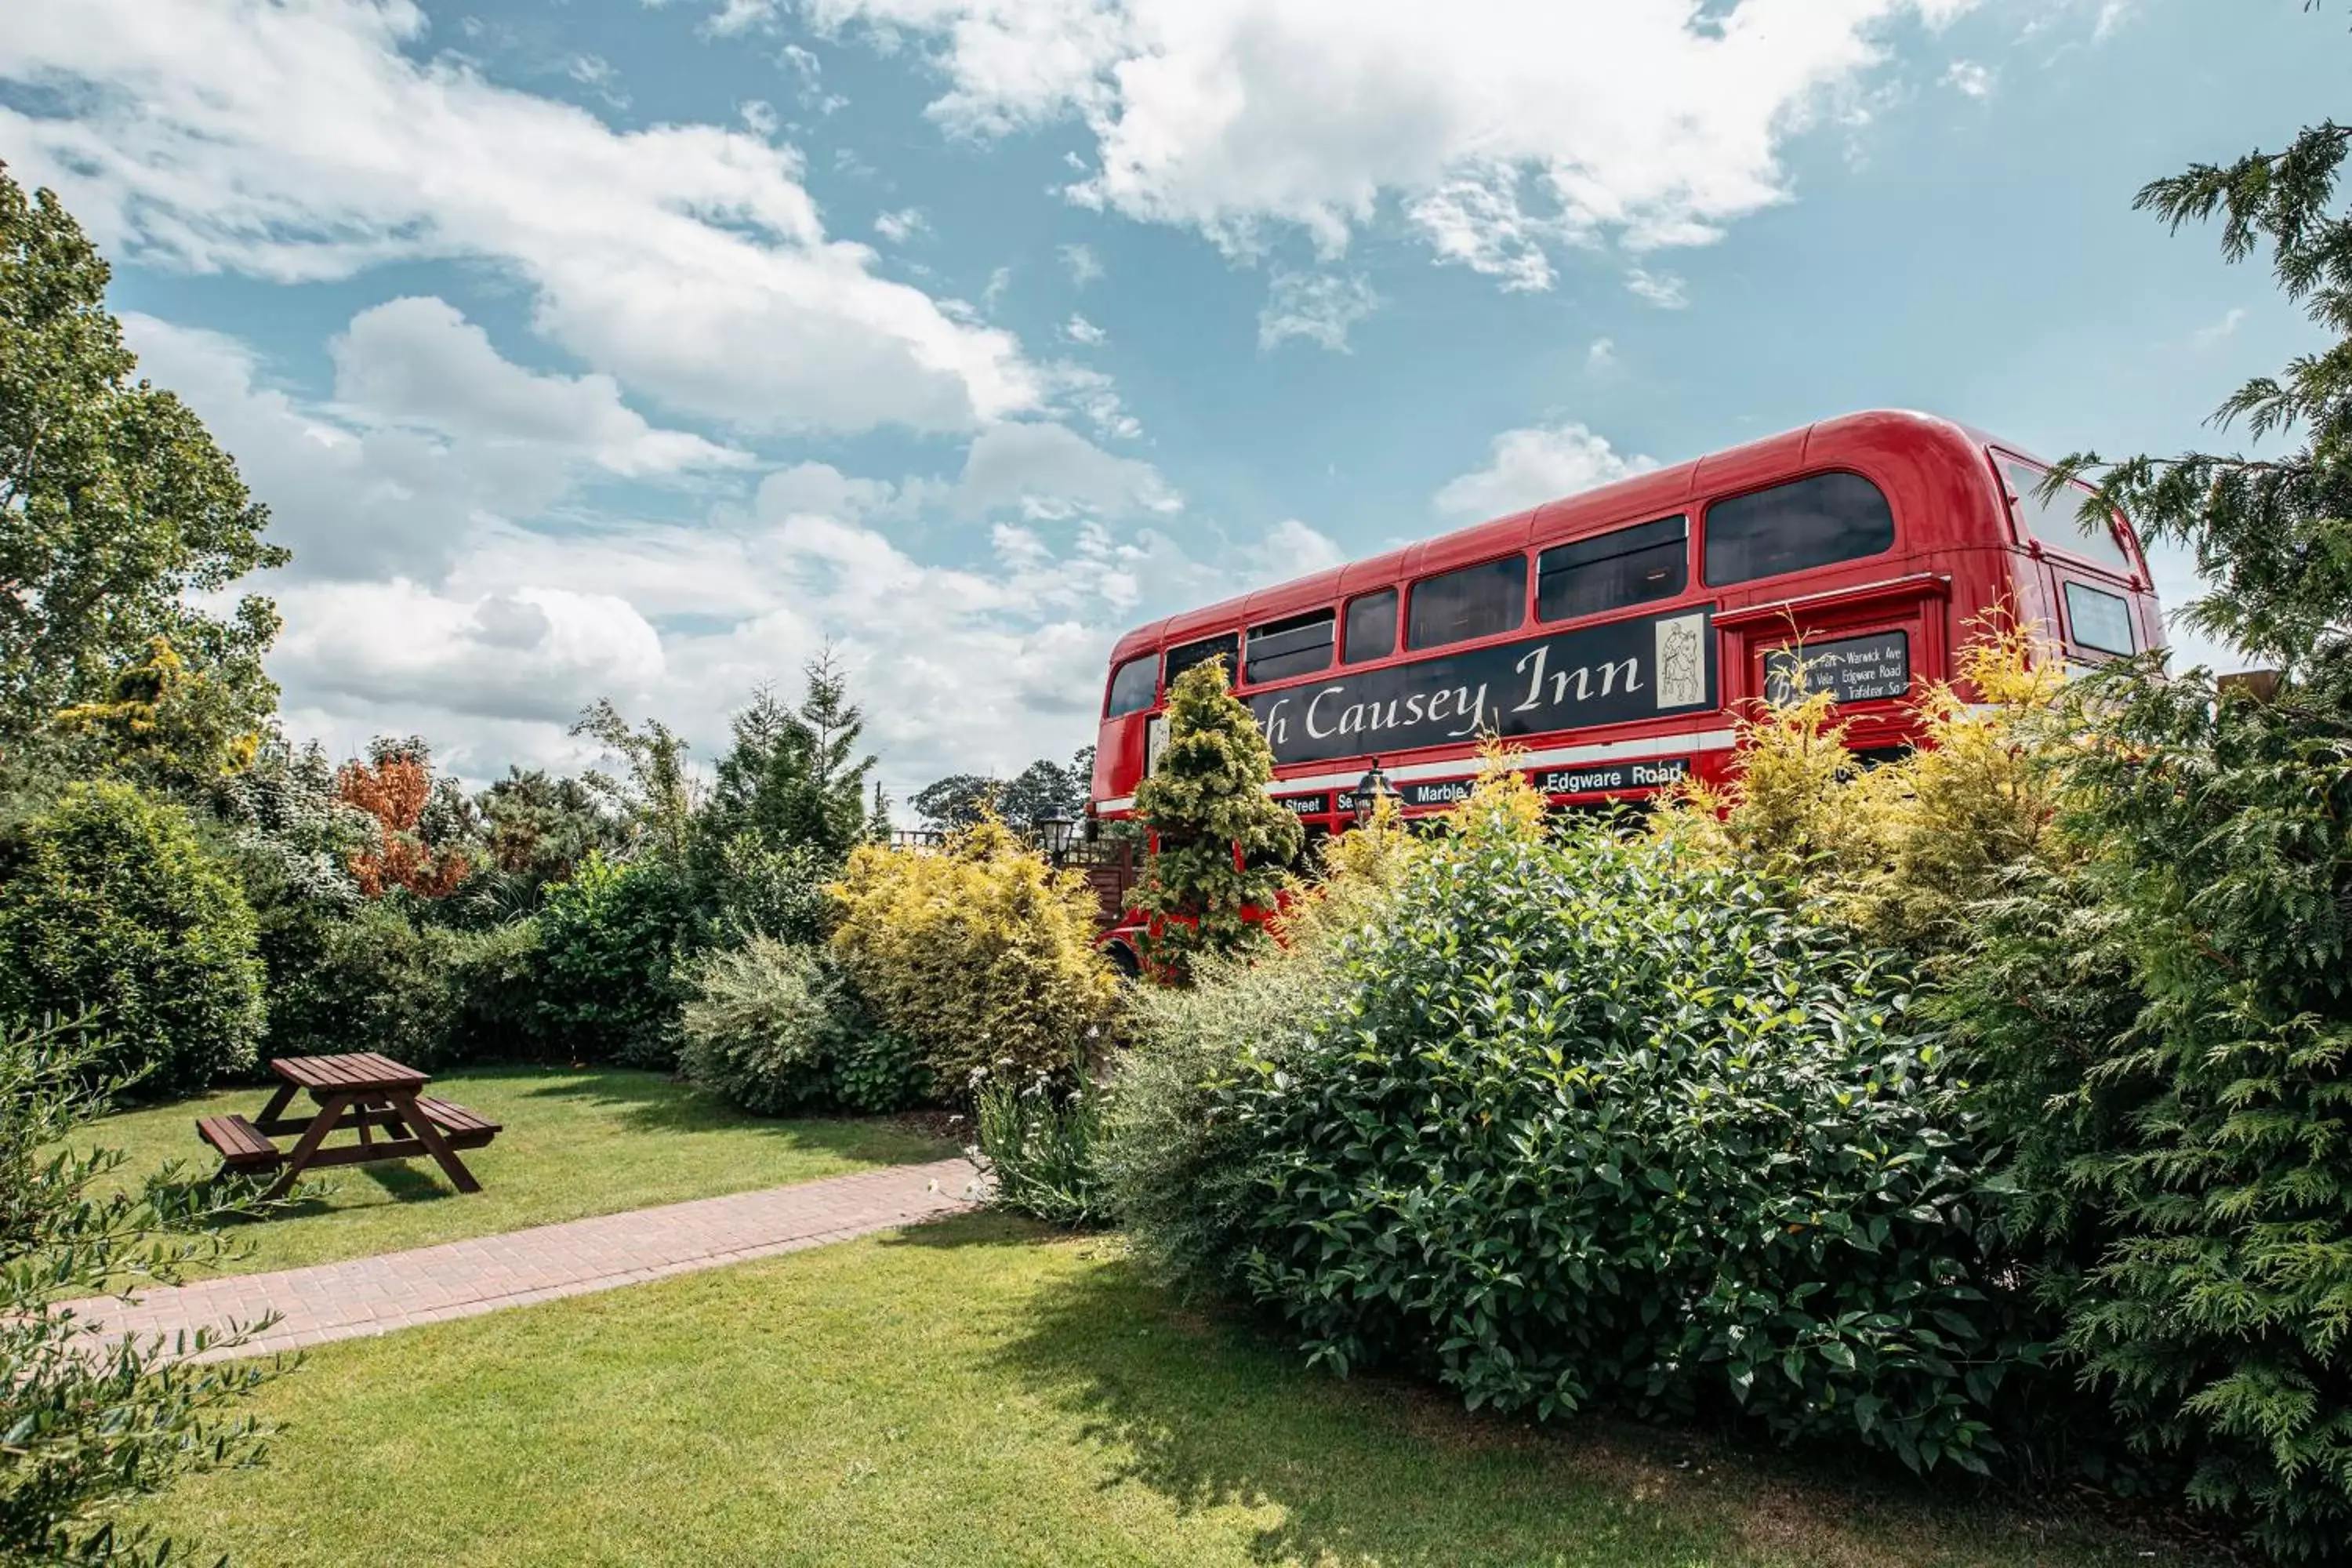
(762, 1026)
(2167, 1028)
(877, 1071)
(979, 955)
(1904, 852)
(1040, 1150)
(110, 905)
(93, 1427)
(1596, 1123)
(425, 995)
(611, 939)
(753, 888)
(1180, 1164)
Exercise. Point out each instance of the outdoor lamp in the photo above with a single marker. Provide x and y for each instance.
(1371, 790)
(1055, 829)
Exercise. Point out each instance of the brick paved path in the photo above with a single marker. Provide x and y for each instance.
(459, 1279)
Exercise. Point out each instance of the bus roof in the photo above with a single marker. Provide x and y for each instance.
(1660, 489)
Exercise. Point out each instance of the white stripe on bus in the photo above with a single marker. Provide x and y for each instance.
(1650, 748)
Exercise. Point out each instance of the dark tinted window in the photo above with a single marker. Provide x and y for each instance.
(2098, 621)
(1131, 687)
(2058, 521)
(1371, 626)
(1817, 521)
(1631, 566)
(1227, 647)
(1475, 601)
(1300, 646)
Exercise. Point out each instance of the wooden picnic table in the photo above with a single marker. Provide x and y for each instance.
(361, 1092)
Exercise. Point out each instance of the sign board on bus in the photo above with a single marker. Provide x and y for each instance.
(1851, 670)
(1303, 805)
(1610, 674)
(1656, 774)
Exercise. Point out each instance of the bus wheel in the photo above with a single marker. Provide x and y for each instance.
(1123, 959)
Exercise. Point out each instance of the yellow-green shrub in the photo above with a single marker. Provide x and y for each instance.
(979, 954)
(1902, 851)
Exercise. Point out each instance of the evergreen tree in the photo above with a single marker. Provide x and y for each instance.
(2195, 1158)
(793, 776)
(119, 516)
(1220, 843)
(2272, 532)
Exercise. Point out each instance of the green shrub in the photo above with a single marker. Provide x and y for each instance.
(91, 1426)
(610, 939)
(110, 905)
(878, 1071)
(1040, 1149)
(774, 1027)
(425, 995)
(762, 1026)
(2162, 1036)
(1597, 1124)
(979, 955)
(1182, 1167)
(754, 889)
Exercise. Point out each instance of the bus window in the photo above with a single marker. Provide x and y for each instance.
(2101, 622)
(1631, 566)
(2058, 521)
(1475, 601)
(1816, 521)
(1227, 647)
(1371, 626)
(1132, 686)
(1300, 646)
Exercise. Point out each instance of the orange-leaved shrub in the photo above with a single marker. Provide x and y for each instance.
(979, 954)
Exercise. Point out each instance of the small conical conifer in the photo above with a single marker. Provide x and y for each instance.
(1221, 845)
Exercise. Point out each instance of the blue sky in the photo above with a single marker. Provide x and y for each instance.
(598, 348)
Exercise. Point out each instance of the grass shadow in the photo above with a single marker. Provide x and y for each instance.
(1206, 1410)
(640, 1100)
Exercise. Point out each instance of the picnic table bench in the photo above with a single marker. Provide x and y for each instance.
(363, 1093)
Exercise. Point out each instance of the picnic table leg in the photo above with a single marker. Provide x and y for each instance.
(331, 1110)
(434, 1144)
(278, 1103)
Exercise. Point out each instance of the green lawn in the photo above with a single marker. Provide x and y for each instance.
(577, 1141)
(971, 1393)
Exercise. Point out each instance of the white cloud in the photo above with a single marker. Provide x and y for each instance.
(899, 226)
(1969, 79)
(304, 142)
(1084, 333)
(2231, 319)
(735, 17)
(1664, 290)
(1600, 356)
(759, 118)
(533, 654)
(1543, 463)
(1501, 126)
(595, 73)
(351, 495)
(1290, 548)
(1051, 471)
(1320, 306)
(416, 362)
(1085, 266)
(2113, 15)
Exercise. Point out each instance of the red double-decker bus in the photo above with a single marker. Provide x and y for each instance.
(1613, 636)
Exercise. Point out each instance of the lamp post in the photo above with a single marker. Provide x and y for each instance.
(1371, 790)
(1055, 830)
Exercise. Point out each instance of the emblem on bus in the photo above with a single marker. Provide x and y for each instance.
(1681, 661)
